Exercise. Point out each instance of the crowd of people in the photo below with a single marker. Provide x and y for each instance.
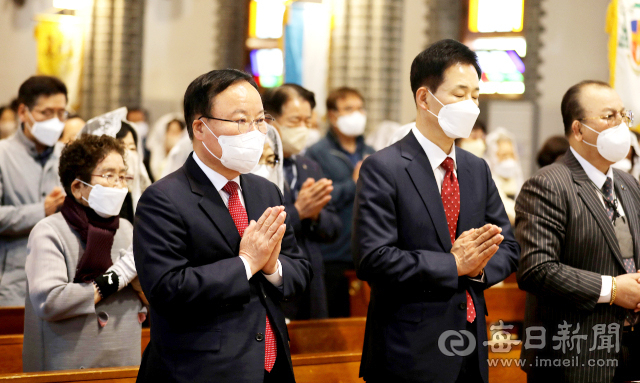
(223, 222)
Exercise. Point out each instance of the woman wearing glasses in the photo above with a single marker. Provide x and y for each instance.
(80, 309)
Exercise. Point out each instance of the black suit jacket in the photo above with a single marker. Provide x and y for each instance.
(208, 321)
(402, 243)
(309, 235)
(568, 242)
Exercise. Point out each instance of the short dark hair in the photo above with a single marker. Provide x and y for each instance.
(553, 148)
(429, 65)
(36, 86)
(138, 109)
(126, 128)
(340, 93)
(275, 98)
(179, 121)
(80, 157)
(200, 94)
(570, 106)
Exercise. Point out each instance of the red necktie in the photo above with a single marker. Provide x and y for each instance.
(451, 200)
(239, 216)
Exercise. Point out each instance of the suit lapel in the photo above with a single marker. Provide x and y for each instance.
(630, 212)
(423, 179)
(468, 201)
(588, 194)
(212, 204)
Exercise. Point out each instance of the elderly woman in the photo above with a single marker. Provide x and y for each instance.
(80, 311)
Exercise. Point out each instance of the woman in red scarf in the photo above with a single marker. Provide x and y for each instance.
(80, 310)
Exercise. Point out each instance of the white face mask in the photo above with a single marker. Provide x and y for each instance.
(457, 119)
(266, 171)
(241, 152)
(477, 147)
(507, 168)
(142, 128)
(624, 165)
(47, 132)
(353, 124)
(293, 139)
(105, 201)
(613, 144)
(313, 137)
(132, 160)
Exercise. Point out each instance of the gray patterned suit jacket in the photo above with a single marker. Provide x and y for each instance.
(567, 244)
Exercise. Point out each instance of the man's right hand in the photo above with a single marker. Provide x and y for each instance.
(53, 201)
(260, 238)
(475, 247)
(628, 291)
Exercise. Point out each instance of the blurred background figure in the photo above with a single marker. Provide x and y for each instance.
(552, 150)
(80, 310)
(8, 121)
(270, 165)
(340, 154)
(631, 164)
(476, 143)
(307, 193)
(113, 124)
(166, 133)
(29, 182)
(503, 160)
(381, 136)
(72, 127)
(315, 130)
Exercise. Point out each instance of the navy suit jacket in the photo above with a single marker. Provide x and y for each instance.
(402, 248)
(309, 235)
(208, 320)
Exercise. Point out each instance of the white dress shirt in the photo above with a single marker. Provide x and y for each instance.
(219, 181)
(599, 178)
(436, 157)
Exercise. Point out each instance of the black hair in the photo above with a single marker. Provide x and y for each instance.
(198, 99)
(429, 65)
(36, 86)
(124, 130)
(570, 107)
(553, 148)
(339, 94)
(275, 98)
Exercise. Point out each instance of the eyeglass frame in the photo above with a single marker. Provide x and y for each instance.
(127, 179)
(267, 117)
(625, 115)
(65, 114)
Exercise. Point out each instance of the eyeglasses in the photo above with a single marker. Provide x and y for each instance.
(271, 160)
(113, 179)
(612, 118)
(244, 125)
(49, 113)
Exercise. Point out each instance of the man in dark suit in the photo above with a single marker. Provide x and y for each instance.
(307, 193)
(214, 251)
(577, 222)
(431, 234)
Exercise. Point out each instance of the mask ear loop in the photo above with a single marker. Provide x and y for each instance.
(593, 130)
(434, 115)
(89, 185)
(205, 145)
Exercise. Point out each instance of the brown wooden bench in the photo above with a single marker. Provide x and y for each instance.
(11, 320)
(322, 367)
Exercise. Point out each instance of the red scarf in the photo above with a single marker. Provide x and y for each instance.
(97, 233)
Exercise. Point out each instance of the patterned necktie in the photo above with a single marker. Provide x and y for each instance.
(451, 200)
(239, 216)
(610, 205)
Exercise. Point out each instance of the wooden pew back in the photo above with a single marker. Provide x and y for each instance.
(11, 320)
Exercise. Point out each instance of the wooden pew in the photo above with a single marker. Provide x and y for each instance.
(322, 367)
(11, 320)
(326, 335)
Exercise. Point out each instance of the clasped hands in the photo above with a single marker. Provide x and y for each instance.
(313, 197)
(262, 240)
(474, 248)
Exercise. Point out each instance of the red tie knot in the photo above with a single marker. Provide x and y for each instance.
(231, 188)
(448, 165)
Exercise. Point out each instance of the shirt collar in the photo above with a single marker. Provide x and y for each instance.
(435, 155)
(217, 179)
(28, 144)
(595, 175)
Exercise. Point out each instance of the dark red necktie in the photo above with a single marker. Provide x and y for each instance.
(239, 216)
(451, 200)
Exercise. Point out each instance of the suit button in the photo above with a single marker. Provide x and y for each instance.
(462, 306)
(259, 337)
